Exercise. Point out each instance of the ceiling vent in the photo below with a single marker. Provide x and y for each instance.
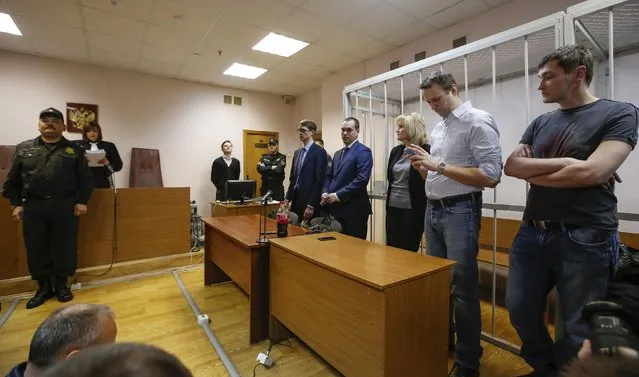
(420, 56)
(394, 65)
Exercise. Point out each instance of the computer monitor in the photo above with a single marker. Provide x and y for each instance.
(240, 189)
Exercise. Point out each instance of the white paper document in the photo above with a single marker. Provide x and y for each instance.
(95, 156)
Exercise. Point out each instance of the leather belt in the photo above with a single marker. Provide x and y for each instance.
(452, 200)
(552, 225)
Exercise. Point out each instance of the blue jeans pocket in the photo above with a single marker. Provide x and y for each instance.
(462, 208)
(589, 236)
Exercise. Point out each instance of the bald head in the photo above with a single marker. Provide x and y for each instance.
(70, 329)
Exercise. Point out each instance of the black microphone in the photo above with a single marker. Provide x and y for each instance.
(267, 196)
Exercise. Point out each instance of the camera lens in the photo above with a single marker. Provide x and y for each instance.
(609, 332)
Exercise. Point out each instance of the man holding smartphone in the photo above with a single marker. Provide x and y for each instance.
(465, 157)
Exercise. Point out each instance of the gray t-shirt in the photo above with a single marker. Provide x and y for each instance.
(577, 133)
(399, 195)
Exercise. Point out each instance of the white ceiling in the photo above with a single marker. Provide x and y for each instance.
(198, 39)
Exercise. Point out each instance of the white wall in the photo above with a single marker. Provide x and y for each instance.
(626, 82)
(308, 106)
(186, 121)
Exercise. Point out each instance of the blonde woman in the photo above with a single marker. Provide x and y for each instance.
(406, 199)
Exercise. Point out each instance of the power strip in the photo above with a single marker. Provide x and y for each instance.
(264, 359)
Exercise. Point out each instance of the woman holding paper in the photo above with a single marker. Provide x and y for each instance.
(95, 146)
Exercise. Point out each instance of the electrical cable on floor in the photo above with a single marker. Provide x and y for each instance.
(285, 343)
(114, 244)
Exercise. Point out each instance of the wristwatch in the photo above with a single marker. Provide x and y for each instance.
(441, 167)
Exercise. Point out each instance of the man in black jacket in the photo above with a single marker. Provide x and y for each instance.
(271, 167)
(223, 169)
(49, 185)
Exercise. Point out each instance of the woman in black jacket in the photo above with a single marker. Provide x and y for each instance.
(406, 197)
(91, 141)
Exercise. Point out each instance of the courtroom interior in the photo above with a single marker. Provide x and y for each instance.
(358, 188)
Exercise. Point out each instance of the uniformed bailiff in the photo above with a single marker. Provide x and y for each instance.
(271, 167)
(49, 184)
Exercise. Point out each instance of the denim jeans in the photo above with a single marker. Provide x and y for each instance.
(453, 233)
(579, 262)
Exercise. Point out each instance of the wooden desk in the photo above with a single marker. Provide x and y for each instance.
(219, 209)
(368, 309)
(150, 222)
(231, 252)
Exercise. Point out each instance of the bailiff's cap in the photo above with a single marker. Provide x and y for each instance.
(51, 113)
(272, 141)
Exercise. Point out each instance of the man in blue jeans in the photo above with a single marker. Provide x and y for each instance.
(465, 157)
(569, 236)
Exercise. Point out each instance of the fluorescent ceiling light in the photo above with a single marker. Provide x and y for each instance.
(279, 45)
(244, 71)
(7, 25)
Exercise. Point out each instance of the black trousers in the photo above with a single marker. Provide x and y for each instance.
(404, 228)
(50, 231)
(355, 226)
(220, 194)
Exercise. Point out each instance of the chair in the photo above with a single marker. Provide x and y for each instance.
(146, 170)
(6, 154)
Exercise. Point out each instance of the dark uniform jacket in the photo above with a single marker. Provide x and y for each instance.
(101, 173)
(271, 167)
(43, 171)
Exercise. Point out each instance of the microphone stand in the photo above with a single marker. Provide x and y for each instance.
(262, 231)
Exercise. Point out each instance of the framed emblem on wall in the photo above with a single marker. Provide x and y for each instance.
(79, 115)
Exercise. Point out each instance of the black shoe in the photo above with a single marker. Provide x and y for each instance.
(43, 293)
(461, 371)
(62, 290)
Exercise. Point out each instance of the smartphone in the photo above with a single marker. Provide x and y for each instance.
(329, 238)
(409, 152)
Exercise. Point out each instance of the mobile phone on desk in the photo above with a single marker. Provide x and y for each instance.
(327, 238)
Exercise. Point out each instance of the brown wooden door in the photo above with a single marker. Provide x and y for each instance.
(255, 145)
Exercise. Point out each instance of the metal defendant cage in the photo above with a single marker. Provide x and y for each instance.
(494, 73)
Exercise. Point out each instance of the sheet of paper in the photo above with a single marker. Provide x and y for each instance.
(95, 156)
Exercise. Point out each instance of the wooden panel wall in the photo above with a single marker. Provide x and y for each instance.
(151, 222)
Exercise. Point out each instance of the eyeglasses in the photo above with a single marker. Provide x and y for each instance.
(302, 130)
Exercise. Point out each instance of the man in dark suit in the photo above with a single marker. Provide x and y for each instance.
(224, 168)
(345, 194)
(308, 172)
